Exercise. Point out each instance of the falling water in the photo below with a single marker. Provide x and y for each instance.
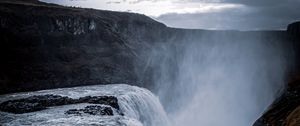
(140, 108)
(221, 79)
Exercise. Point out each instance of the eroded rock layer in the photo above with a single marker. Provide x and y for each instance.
(41, 102)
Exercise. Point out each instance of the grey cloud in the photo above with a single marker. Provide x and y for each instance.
(116, 2)
(256, 2)
(259, 17)
(113, 2)
(249, 2)
(260, 14)
(138, 1)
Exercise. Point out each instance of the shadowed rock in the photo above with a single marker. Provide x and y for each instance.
(105, 100)
(294, 28)
(92, 110)
(283, 112)
(37, 103)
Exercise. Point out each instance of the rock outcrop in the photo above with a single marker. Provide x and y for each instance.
(92, 110)
(285, 110)
(41, 102)
(294, 118)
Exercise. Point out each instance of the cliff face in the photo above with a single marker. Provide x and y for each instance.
(294, 28)
(284, 111)
(49, 46)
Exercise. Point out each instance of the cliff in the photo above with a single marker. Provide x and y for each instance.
(294, 28)
(284, 111)
(49, 46)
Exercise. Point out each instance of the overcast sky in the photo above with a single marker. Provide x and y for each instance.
(205, 14)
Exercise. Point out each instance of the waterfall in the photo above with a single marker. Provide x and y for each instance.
(139, 106)
(219, 79)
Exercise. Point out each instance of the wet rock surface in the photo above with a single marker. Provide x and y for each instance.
(285, 110)
(135, 104)
(37, 103)
(105, 100)
(92, 110)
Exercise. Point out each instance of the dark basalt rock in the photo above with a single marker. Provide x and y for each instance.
(66, 46)
(281, 109)
(34, 103)
(20, 107)
(73, 111)
(37, 103)
(105, 100)
(92, 110)
(294, 28)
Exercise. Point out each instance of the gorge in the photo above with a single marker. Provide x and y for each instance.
(198, 77)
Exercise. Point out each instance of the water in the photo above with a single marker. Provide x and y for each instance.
(221, 79)
(140, 108)
(211, 80)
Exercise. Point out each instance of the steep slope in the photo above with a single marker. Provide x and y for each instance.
(285, 109)
(281, 112)
(48, 46)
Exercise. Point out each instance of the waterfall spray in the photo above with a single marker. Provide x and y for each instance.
(222, 79)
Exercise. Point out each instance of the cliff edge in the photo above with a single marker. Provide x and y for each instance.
(50, 46)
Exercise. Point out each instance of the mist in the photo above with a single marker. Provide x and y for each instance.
(151, 63)
(219, 79)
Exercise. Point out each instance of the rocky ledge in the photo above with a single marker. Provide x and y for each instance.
(285, 111)
(92, 110)
(41, 102)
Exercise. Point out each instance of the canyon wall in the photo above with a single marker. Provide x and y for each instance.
(49, 46)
